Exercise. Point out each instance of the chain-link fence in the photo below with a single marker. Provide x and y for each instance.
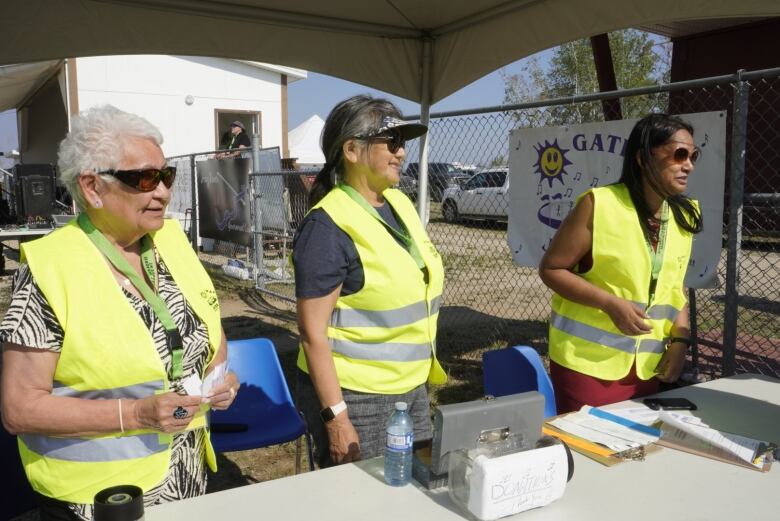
(490, 302)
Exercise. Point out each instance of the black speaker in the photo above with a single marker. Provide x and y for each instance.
(35, 169)
(34, 198)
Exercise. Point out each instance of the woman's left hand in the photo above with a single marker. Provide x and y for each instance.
(223, 394)
(671, 365)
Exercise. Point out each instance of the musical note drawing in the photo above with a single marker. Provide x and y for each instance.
(595, 182)
(568, 192)
(606, 174)
(706, 140)
(707, 267)
(571, 205)
(577, 176)
(539, 189)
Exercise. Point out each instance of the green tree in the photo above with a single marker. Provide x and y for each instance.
(572, 72)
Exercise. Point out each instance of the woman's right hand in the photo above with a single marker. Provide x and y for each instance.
(628, 318)
(156, 412)
(344, 443)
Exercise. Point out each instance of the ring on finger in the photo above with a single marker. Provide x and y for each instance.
(180, 413)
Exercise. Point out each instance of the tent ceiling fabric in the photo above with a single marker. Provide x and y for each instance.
(18, 81)
(378, 43)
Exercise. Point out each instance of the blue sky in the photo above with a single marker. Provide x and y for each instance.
(319, 93)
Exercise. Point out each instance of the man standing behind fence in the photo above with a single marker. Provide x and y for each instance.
(619, 321)
(237, 139)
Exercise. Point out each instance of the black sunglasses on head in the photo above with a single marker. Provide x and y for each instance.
(145, 179)
(394, 140)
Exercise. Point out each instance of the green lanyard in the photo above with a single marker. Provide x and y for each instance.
(403, 236)
(172, 336)
(657, 254)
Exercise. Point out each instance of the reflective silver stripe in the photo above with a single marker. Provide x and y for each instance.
(435, 303)
(94, 450)
(345, 317)
(651, 345)
(662, 311)
(388, 352)
(593, 334)
(131, 391)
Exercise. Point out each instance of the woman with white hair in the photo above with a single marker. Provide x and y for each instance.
(109, 315)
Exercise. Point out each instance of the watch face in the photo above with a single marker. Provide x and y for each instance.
(327, 414)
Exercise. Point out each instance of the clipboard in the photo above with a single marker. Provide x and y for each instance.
(699, 447)
(594, 451)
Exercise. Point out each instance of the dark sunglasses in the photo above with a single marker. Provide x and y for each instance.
(682, 154)
(394, 140)
(144, 180)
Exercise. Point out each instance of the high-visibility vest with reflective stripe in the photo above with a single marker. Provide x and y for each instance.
(108, 353)
(383, 336)
(584, 338)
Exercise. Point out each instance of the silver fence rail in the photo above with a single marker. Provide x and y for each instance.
(489, 302)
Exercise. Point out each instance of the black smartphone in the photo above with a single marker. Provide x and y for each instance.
(670, 404)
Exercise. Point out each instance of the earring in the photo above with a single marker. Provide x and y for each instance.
(98, 203)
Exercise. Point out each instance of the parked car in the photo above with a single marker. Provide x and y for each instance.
(440, 177)
(483, 196)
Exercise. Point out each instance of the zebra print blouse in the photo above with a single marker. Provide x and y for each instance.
(31, 322)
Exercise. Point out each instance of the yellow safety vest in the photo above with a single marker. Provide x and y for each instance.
(383, 337)
(584, 338)
(108, 353)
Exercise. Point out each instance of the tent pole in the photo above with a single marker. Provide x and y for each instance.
(425, 111)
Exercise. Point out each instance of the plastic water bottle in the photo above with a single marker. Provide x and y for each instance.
(398, 449)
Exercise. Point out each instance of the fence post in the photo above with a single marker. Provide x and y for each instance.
(734, 245)
(194, 216)
(692, 310)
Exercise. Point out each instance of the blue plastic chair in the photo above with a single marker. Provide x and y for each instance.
(515, 370)
(263, 412)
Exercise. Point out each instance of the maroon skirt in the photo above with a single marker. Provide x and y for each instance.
(573, 389)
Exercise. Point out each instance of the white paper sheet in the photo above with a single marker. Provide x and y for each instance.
(214, 378)
(608, 433)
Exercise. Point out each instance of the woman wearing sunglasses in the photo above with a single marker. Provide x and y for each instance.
(109, 315)
(619, 322)
(368, 284)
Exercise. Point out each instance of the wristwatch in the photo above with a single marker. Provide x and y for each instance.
(329, 413)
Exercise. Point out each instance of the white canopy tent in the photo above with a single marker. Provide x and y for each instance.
(419, 50)
(304, 142)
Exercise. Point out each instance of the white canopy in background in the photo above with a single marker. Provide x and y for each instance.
(304, 142)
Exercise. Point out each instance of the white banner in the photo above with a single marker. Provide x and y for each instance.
(550, 167)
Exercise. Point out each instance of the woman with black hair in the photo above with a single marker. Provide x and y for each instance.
(619, 322)
(368, 282)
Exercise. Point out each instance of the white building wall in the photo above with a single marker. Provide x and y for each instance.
(156, 87)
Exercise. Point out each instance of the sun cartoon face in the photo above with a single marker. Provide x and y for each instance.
(551, 162)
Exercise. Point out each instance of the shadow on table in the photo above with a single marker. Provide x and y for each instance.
(374, 467)
(735, 413)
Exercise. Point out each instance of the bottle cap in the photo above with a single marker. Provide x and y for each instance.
(400, 406)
